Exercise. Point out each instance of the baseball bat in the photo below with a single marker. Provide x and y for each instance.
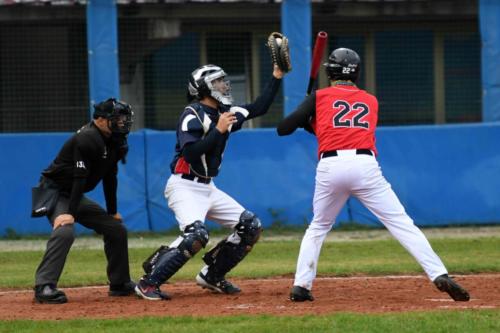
(319, 49)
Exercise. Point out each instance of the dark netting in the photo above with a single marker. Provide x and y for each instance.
(404, 76)
(44, 80)
(154, 68)
(157, 57)
(423, 71)
(462, 74)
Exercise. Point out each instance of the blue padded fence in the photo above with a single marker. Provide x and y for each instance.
(442, 174)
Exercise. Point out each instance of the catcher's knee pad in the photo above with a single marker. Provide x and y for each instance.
(195, 237)
(249, 228)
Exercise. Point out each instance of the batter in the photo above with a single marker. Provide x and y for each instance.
(344, 118)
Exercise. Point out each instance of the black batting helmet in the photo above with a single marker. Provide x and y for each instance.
(118, 113)
(343, 64)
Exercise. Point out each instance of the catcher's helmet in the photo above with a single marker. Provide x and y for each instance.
(343, 64)
(203, 82)
(118, 113)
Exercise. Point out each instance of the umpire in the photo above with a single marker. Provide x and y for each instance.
(89, 156)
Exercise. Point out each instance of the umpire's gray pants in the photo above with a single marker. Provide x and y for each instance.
(92, 216)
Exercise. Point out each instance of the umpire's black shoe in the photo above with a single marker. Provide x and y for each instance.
(300, 294)
(219, 285)
(124, 289)
(447, 284)
(49, 294)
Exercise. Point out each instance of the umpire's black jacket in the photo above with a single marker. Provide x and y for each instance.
(85, 159)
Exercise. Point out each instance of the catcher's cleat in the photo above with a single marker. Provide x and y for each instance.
(447, 284)
(49, 294)
(150, 292)
(221, 286)
(300, 294)
(124, 289)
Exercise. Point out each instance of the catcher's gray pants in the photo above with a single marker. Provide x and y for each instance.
(92, 216)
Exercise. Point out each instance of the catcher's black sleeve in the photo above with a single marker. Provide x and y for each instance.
(193, 151)
(261, 105)
(300, 117)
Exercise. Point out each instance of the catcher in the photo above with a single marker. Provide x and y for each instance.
(204, 127)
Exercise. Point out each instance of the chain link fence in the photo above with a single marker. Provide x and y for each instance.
(43, 76)
(422, 72)
(157, 58)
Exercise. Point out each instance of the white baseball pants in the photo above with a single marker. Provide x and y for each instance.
(339, 177)
(192, 201)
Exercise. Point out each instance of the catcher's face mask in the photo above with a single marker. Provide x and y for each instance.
(221, 90)
(209, 80)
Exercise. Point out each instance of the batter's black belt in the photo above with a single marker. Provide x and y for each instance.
(196, 179)
(331, 153)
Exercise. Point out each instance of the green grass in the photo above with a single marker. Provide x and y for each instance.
(277, 228)
(436, 322)
(271, 258)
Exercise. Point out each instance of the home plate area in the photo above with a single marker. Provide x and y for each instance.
(361, 294)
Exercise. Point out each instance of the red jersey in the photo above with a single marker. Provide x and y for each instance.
(346, 118)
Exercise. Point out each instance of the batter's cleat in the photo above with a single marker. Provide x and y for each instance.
(49, 294)
(300, 294)
(447, 284)
(221, 286)
(124, 289)
(150, 292)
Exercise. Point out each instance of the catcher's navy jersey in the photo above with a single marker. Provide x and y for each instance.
(198, 122)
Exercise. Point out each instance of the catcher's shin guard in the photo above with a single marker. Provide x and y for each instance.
(172, 259)
(152, 260)
(167, 265)
(226, 255)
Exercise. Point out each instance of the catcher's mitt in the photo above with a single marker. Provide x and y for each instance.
(280, 52)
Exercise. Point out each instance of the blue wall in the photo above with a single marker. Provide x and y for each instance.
(489, 21)
(442, 174)
(102, 44)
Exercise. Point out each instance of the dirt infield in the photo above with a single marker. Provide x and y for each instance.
(263, 296)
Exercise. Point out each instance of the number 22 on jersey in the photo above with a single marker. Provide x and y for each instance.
(350, 114)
